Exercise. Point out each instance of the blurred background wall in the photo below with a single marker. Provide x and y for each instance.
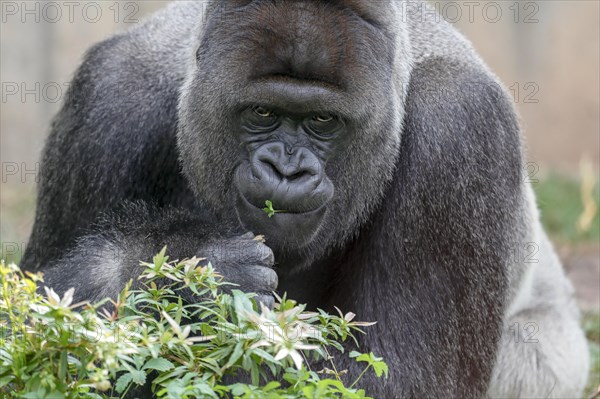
(41, 45)
(546, 52)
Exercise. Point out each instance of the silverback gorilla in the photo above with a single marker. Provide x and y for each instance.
(392, 148)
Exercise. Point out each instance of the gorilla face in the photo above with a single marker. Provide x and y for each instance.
(291, 102)
(287, 148)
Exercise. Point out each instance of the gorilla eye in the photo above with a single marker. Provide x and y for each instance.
(263, 112)
(323, 118)
(259, 119)
(324, 126)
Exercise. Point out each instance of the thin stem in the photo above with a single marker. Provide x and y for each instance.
(330, 358)
(360, 376)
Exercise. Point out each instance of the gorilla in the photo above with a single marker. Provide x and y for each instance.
(393, 150)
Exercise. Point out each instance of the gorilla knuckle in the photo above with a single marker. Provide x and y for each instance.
(240, 253)
(266, 278)
(266, 255)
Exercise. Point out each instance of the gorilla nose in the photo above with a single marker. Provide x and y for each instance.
(292, 165)
(286, 170)
(294, 180)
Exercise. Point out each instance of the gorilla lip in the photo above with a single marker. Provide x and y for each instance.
(286, 227)
(282, 212)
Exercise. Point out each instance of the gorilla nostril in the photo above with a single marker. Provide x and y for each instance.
(297, 175)
(289, 172)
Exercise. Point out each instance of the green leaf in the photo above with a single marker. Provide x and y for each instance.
(139, 377)
(68, 364)
(63, 366)
(6, 380)
(123, 382)
(55, 395)
(238, 389)
(380, 368)
(271, 386)
(159, 364)
(238, 351)
(269, 210)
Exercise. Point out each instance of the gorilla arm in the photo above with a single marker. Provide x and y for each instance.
(111, 192)
(102, 263)
(433, 267)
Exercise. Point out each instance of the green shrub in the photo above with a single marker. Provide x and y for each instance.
(51, 348)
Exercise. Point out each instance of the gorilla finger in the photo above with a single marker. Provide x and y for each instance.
(261, 278)
(267, 257)
(251, 252)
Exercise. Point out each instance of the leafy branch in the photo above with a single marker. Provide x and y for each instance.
(52, 348)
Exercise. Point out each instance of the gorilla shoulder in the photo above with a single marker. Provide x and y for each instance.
(467, 123)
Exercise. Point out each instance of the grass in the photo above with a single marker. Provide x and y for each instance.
(560, 203)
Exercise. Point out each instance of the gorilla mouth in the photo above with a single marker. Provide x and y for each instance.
(292, 196)
(281, 212)
(296, 228)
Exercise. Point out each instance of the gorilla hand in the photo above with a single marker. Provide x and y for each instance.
(246, 261)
